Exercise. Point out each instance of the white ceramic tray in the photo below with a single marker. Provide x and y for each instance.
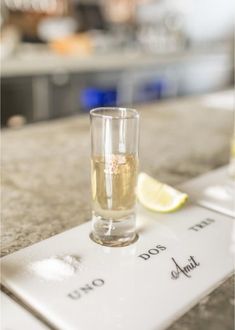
(214, 190)
(77, 284)
(15, 317)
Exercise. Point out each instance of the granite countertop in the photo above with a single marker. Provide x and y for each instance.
(46, 186)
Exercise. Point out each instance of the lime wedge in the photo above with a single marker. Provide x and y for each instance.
(157, 196)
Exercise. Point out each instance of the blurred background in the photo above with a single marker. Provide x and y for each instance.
(64, 57)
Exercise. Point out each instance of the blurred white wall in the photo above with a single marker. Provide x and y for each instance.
(201, 19)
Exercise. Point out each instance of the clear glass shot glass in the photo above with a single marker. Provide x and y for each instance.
(114, 169)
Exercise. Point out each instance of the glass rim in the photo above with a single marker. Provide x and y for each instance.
(129, 113)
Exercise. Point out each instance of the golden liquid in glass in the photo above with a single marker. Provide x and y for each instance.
(113, 185)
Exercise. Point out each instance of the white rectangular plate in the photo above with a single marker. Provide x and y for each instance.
(15, 317)
(177, 259)
(214, 190)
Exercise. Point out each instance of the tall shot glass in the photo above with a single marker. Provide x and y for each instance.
(114, 168)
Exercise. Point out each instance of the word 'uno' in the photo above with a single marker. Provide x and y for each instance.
(154, 251)
(78, 293)
(202, 224)
(184, 269)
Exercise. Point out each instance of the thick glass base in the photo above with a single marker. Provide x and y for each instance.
(113, 232)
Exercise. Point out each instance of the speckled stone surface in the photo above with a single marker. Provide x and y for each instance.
(46, 185)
